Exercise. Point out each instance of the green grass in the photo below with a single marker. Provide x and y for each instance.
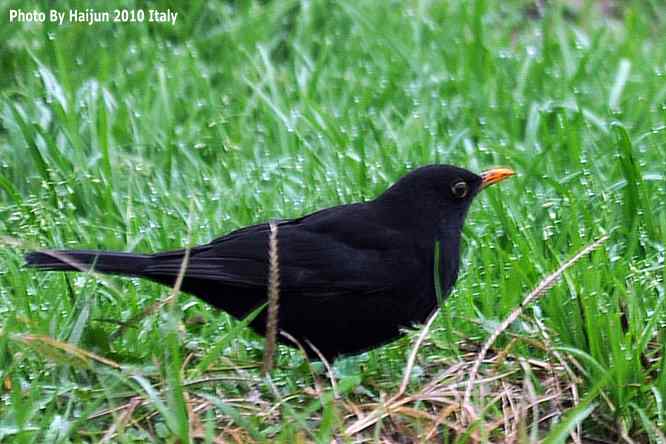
(147, 137)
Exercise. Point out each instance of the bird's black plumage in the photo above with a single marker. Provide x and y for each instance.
(351, 277)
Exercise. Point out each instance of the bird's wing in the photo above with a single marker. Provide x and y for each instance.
(321, 254)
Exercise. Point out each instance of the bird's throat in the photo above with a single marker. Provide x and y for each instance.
(449, 259)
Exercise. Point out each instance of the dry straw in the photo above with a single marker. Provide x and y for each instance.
(273, 298)
(546, 284)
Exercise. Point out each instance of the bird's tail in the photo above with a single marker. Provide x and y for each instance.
(127, 264)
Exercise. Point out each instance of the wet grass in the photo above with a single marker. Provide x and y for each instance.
(145, 137)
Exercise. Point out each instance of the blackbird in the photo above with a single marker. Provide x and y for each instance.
(351, 276)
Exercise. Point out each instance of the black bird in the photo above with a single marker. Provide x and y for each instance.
(351, 276)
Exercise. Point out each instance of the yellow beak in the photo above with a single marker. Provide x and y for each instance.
(495, 175)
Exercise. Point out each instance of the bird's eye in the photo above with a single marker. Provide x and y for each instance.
(459, 189)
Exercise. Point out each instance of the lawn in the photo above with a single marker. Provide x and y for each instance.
(151, 136)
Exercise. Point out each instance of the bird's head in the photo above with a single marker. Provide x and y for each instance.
(442, 192)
